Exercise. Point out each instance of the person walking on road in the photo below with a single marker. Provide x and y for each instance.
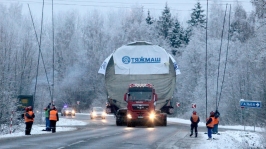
(194, 123)
(53, 117)
(29, 119)
(210, 124)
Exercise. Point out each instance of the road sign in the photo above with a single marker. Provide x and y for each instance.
(193, 105)
(177, 104)
(250, 104)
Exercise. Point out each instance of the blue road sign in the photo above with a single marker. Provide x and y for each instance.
(250, 104)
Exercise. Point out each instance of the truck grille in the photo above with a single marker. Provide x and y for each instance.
(140, 106)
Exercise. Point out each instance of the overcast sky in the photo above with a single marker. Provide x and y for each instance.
(180, 7)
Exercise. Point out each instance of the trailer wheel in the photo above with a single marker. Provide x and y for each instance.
(151, 124)
(128, 124)
(165, 122)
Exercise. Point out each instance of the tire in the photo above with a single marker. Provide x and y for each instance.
(150, 124)
(129, 124)
(165, 122)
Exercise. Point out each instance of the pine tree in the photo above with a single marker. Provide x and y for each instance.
(165, 22)
(176, 37)
(187, 35)
(149, 19)
(197, 17)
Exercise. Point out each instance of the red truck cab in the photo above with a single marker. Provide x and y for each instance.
(141, 102)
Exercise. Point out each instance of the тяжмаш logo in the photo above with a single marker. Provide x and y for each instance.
(126, 60)
(140, 60)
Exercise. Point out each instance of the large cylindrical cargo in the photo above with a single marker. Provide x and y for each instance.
(139, 63)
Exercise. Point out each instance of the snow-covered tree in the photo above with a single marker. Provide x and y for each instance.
(176, 36)
(215, 21)
(198, 18)
(165, 23)
(149, 19)
(240, 28)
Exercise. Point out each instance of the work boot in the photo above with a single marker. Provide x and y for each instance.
(191, 133)
(196, 135)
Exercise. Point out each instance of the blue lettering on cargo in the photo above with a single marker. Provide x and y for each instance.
(136, 60)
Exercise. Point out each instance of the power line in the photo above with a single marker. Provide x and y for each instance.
(130, 3)
(89, 5)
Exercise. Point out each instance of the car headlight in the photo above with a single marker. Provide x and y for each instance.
(66, 111)
(129, 116)
(93, 113)
(73, 111)
(152, 116)
(103, 114)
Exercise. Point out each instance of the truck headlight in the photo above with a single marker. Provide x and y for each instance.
(73, 111)
(152, 116)
(129, 116)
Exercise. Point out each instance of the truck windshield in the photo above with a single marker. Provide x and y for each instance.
(140, 94)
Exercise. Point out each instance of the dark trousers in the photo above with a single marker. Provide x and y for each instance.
(53, 126)
(194, 126)
(215, 129)
(28, 128)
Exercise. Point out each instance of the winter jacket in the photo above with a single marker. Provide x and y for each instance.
(29, 116)
(47, 112)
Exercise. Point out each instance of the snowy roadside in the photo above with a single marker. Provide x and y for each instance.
(234, 138)
(37, 128)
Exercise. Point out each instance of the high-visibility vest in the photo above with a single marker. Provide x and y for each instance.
(211, 124)
(215, 120)
(53, 115)
(28, 119)
(195, 118)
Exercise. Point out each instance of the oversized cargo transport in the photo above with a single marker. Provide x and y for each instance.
(140, 63)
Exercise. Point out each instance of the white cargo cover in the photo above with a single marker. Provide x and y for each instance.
(161, 72)
(141, 59)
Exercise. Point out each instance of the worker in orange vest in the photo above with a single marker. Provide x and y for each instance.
(216, 122)
(210, 124)
(29, 119)
(53, 117)
(194, 123)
